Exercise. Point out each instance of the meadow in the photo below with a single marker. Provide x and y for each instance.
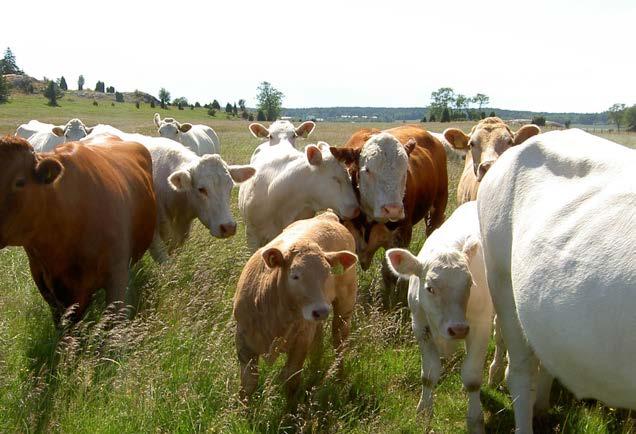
(173, 367)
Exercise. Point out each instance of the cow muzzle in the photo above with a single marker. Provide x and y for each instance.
(351, 213)
(316, 312)
(227, 230)
(483, 168)
(457, 330)
(392, 212)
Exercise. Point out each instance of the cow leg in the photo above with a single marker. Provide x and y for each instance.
(340, 326)
(476, 351)
(158, 249)
(523, 363)
(117, 286)
(248, 361)
(431, 364)
(436, 215)
(316, 346)
(180, 232)
(498, 366)
(298, 349)
(396, 288)
(57, 309)
(544, 386)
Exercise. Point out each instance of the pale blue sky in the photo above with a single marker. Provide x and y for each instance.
(535, 55)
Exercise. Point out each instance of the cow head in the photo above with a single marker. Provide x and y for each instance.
(490, 138)
(208, 184)
(306, 274)
(368, 239)
(442, 283)
(381, 167)
(170, 128)
(73, 131)
(331, 187)
(24, 176)
(282, 131)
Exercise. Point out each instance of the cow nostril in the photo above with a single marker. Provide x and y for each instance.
(228, 229)
(458, 331)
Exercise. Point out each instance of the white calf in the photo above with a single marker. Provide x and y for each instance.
(200, 139)
(449, 301)
(46, 137)
(557, 215)
(291, 185)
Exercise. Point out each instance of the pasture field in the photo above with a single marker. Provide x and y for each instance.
(173, 367)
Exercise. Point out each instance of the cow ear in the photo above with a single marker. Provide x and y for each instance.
(184, 128)
(314, 155)
(58, 131)
(305, 129)
(157, 119)
(180, 180)
(241, 173)
(525, 132)
(343, 258)
(345, 155)
(410, 145)
(471, 245)
(48, 170)
(457, 139)
(88, 130)
(259, 131)
(273, 257)
(403, 263)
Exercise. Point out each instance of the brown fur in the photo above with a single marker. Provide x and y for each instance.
(84, 214)
(426, 187)
(269, 317)
(493, 137)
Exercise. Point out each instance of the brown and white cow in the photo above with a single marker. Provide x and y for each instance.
(286, 291)
(487, 141)
(401, 177)
(83, 213)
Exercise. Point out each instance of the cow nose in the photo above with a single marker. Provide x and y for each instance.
(320, 313)
(393, 211)
(227, 229)
(483, 168)
(458, 331)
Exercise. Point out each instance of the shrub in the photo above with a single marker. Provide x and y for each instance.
(197, 105)
(538, 120)
(260, 116)
(482, 115)
(216, 105)
(567, 123)
(63, 84)
(228, 108)
(152, 103)
(211, 112)
(179, 106)
(446, 115)
(95, 103)
(99, 86)
(4, 89)
(431, 118)
(492, 114)
(119, 97)
(251, 117)
(112, 104)
(137, 104)
(110, 89)
(53, 93)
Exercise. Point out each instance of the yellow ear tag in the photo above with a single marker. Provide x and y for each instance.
(337, 270)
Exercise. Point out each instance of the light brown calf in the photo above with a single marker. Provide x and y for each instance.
(286, 291)
(487, 140)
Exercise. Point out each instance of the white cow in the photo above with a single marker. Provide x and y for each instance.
(557, 216)
(46, 137)
(187, 187)
(449, 301)
(279, 132)
(291, 185)
(200, 139)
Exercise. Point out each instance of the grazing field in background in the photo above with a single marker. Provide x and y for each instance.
(173, 367)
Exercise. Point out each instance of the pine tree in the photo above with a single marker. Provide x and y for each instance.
(492, 114)
(63, 84)
(8, 64)
(260, 116)
(216, 105)
(234, 110)
(80, 82)
(228, 108)
(446, 115)
(53, 93)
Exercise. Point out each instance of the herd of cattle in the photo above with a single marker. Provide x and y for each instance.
(543, 240)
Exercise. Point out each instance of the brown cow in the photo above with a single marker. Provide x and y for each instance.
(424, 193)
(285, 292)
(487, 141)
(83, 213)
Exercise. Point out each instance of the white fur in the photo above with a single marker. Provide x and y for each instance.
(200, 139)
(383, 168)
(279, 133)
(557, 215)
(451, 263)
(287, 188)
(46, 137)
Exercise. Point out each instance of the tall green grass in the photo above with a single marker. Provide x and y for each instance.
(173, 367)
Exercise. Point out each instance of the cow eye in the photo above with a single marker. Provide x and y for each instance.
(203, 191)
(295, 277)
(430, 289)
(20, 183)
